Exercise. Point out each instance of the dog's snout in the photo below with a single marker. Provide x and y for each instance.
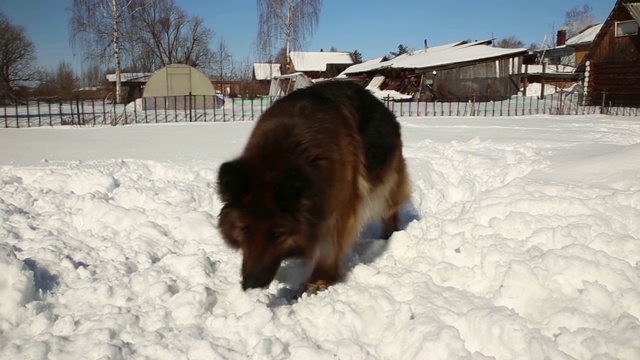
(254, 281)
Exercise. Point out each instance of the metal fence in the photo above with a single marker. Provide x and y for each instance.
(143, 111)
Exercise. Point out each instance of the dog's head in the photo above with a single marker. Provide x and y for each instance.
(265, 214)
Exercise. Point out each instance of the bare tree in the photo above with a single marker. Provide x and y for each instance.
(60, 83)
(577, 19)
(223, 61)
(92, 75)
(510, 42)
(163, 34)
(17, 57)
(288, 21)
(96, 27)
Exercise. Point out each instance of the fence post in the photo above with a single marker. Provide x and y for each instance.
(18, 117)
(190, 107)
(39, 116)
(144, 108)
(233, 109)
(80, 119)
(224, 113)
(28, 115)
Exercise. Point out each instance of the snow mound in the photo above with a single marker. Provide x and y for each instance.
(16, 284)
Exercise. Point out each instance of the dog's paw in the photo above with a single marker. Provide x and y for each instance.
(312, 288)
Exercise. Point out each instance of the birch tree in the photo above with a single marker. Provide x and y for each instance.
(96, 28)
(285, 23)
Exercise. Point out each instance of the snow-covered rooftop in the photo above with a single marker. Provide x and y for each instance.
(266, 71)
(585, 36)
(318, 60)
(362, 67)
(458, 52)
(137, 77)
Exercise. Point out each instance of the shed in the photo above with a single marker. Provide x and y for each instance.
(320, 64)
(612, 64)
(285, 84)
(263, 73)
(132, 84)
(179, 86)
(457, 71)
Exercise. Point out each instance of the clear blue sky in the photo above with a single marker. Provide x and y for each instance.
(373, 27)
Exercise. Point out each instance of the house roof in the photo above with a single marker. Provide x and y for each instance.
(266, 71)
(633, 7)
(449, 54)
(130, 77)
(362, 67)
(317, 61)
(585, 36)
(634, 10)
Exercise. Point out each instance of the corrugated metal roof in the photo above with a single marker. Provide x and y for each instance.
(634, 10)
(266, 71)
(318, 60)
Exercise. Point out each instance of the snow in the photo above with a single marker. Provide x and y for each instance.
(318, 60)
(585, 36)
(522, 241)
(535, 89)
(453, 53)
(265, 71)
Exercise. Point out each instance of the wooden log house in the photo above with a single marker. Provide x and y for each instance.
(612, 65)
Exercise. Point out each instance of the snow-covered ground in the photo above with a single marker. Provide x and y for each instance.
(522, 241)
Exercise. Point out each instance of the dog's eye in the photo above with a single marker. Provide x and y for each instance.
(245, 229)
(274, 236)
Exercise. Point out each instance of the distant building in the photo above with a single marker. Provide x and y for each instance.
(132, 85)
(262, 75)
(458, 71)
(320, 64)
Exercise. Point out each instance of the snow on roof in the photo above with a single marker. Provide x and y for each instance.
(318, 60)
(453, 56)
(266, 71)
(137, 77)
(362, 67)
(585, 36)
(453, 53)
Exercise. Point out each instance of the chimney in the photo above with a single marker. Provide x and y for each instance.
(562, 38)
(425, 45)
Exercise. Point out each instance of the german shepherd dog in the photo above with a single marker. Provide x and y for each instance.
(320, 163)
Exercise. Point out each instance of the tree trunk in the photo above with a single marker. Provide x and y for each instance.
(288, 38)
(116, 50)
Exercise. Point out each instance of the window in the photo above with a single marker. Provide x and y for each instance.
(625, 28)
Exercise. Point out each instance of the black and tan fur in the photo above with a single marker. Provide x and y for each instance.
(319, 164)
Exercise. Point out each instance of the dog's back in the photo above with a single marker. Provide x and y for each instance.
(324, 160)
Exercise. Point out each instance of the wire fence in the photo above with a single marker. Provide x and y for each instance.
(213, 109)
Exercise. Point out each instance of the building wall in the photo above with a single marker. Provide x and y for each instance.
(613, 71)
(483, 81)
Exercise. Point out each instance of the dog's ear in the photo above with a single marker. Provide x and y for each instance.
(291, 188)
(234, 180)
